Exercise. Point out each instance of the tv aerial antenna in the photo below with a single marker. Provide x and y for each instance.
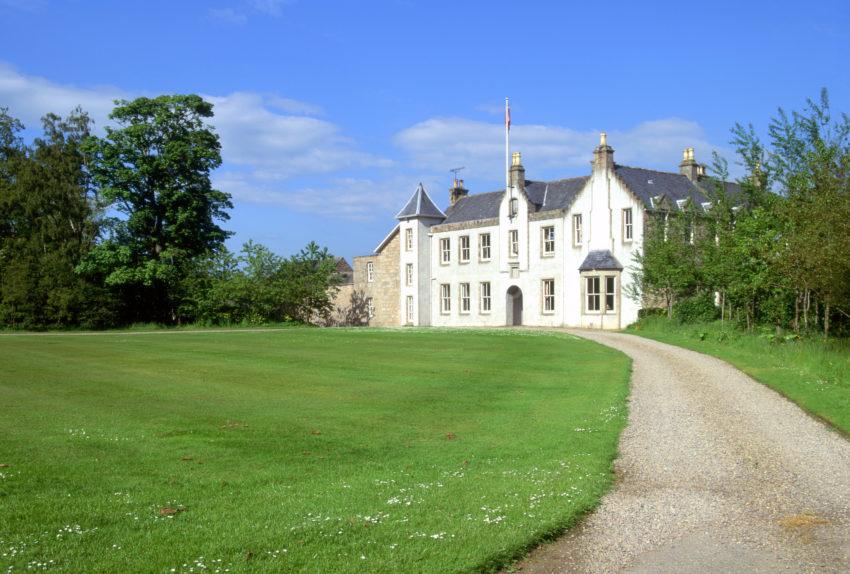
(456, 170)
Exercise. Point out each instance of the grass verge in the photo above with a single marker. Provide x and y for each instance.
(300, 449)
(813, 373)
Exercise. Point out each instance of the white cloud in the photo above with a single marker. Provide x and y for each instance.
(360, 199)
(294, 106)
(548, 151)
(267, 140)
(276, 136)
(280, 146)
(30, 97)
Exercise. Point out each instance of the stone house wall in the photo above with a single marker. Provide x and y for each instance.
(384, 290)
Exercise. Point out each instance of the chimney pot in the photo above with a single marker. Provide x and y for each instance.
(689, 167)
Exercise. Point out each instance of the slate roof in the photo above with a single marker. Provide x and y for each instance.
(345, 271)
(649, 185)
(558, 194)
(420, 205)
(472, 207)
(544, 196)
(600, 260)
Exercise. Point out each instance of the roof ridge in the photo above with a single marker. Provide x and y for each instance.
(648, 169)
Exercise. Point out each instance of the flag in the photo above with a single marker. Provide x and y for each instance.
(507, 115)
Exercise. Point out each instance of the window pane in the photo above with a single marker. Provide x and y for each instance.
(593, 293)
(484, 241)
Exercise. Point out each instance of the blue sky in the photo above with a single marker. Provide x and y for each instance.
(330, 113)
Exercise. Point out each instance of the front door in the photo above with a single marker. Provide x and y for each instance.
(514, 306)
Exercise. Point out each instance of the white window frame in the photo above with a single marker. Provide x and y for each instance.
(513, 207)
(484, 292)
(410, 308)
(547, 245)
(628, 225)
(547, 290)
(513, 243)
(408, 274)
(484, 249)
(596, 294)
(445, 250)
(445, 299)
(408, 239)
(605, 296)
(578, 229)
(612, 293)
(463, 251)
(465, 299)
(370, 272)
(370, 307)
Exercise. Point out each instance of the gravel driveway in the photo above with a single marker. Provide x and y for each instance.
(717, 473)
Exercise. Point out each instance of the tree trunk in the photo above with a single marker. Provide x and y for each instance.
(825, 320)
(806, 302)
(797, 312)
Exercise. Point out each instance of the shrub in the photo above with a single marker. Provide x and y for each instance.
(696, 309)
(651, 312)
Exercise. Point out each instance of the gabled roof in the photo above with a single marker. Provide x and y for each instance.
(342, 265)
(650, 186)
(600, 260)
(420, 205)
(387, 239)
(543, 195)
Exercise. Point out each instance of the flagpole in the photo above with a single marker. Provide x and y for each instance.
(507, 145)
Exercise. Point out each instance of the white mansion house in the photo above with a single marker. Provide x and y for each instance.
(553, 253)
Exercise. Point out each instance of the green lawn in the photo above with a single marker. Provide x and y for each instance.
(811, 372)
(300, 449)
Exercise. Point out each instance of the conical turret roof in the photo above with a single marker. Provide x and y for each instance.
(420, 205)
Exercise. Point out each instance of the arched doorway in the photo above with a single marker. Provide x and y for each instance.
(513, 306)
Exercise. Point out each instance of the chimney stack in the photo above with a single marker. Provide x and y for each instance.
(689, 167)
(603, 155)
(457, 191)
(517, 171)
